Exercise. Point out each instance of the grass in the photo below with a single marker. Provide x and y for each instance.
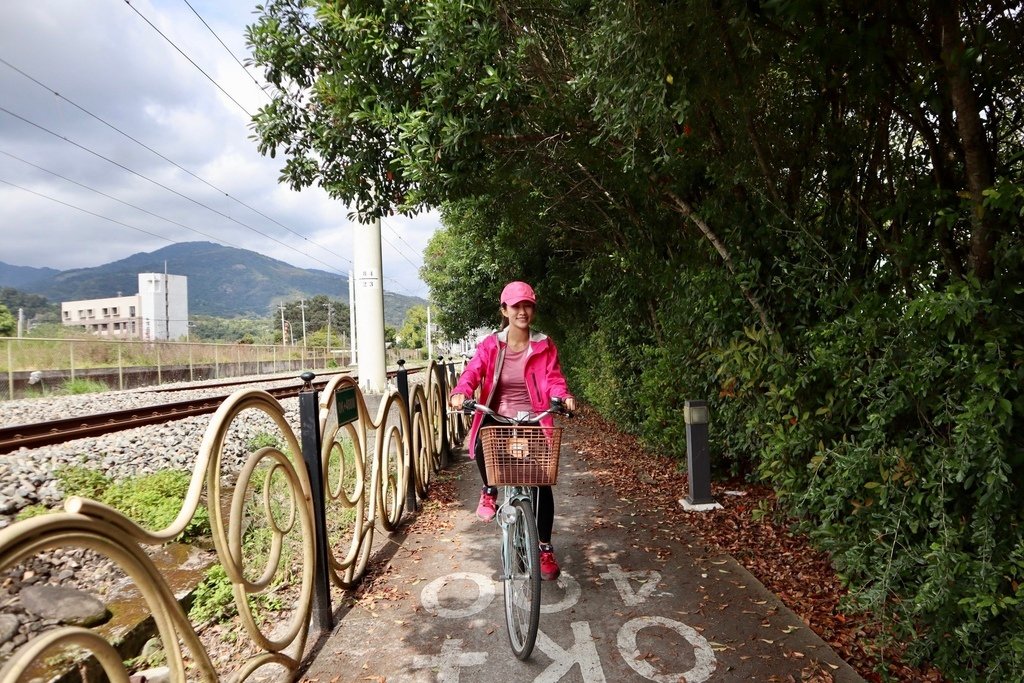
(74, 387)
(151, 500)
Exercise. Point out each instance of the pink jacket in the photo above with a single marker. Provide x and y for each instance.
(544, 377)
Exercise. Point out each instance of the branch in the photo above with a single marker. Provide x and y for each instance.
(687, 211)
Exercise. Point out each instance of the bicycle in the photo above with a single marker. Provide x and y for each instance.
(519, 456)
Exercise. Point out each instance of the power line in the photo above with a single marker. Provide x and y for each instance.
(164, 187)
(168, 160)
(398, 252)
(227, 49)
(121, 201)
(161, 185)
(91, 213)
(210, 78)
(399, 236)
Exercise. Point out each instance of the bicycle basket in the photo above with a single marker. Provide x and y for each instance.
(521, 456)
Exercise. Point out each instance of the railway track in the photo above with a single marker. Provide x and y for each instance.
(37, 435)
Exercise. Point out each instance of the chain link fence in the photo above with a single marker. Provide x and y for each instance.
(39, 367)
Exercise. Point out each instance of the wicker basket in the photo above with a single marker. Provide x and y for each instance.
(521, 456)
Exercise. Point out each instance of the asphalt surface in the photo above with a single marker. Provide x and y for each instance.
(630, 605)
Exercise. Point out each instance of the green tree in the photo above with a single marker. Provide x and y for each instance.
(8, 325)
(231, 330)
(36, 308)
(413, 333)
(813, 208)
(315, 310)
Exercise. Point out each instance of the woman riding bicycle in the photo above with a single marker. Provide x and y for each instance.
(517, 370)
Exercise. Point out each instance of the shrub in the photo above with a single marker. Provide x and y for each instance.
(76, 480)
(154, 500)
(83, 386)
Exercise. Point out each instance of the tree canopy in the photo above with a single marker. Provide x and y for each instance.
(807, 213)
(8, 325)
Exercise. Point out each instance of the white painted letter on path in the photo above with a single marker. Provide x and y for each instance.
(431, 595)
(630, 597)
(450, 661)
(582, 652)
(704, 655)
(572, 590)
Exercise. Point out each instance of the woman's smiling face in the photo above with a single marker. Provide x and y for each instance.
(519, 315)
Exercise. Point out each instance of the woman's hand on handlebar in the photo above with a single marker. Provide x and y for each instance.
(564, 405)
(456, 401)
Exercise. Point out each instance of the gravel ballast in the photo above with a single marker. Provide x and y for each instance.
(27, 476)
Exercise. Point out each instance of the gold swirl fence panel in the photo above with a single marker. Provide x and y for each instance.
(233, 584)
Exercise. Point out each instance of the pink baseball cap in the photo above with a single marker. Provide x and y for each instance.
(517, 291)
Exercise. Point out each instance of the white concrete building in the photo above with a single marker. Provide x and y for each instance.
(158, 311)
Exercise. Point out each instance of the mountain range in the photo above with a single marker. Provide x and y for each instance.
(222, 281)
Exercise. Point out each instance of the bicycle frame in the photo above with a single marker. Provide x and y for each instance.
(520, 552)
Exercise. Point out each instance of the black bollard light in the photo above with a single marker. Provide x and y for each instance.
(698, 460)
(309, 425)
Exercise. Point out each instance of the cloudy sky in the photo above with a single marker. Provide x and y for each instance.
(112, 142)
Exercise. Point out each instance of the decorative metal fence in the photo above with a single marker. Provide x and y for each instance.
(282, 551)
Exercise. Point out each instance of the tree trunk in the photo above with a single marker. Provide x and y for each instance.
(977, 157)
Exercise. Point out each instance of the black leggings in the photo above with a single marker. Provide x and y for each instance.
(545, 499)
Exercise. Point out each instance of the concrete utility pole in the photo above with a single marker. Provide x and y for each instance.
(329, 328)
(370, 307)
(21, 322)
(302, 307)
(352, 318)
(284, 333)
(167, 306)
(430, 343)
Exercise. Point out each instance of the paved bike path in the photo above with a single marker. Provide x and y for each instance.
(630, 606)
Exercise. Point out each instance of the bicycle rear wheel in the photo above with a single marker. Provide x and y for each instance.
(522, 580)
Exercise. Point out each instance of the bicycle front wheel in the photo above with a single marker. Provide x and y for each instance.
(522, 580)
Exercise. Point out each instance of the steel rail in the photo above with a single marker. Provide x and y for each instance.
(53, 432)
(218, 385)
(68, 429)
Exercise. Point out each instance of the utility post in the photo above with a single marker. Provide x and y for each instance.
(370, 306)
(284, 332)
(354, 360)
(430, 342)
(302, 307)
(328, 328)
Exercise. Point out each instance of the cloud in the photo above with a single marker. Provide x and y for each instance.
(77, 193)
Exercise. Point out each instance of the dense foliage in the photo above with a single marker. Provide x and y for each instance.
(807, 213)
(33, 307)
(8, 325)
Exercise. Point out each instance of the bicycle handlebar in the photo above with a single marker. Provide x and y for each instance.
(470, 406)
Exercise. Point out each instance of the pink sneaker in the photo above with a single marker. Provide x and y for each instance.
(487, 506)
(549, 569)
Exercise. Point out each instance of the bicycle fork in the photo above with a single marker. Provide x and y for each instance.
(508, 516)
